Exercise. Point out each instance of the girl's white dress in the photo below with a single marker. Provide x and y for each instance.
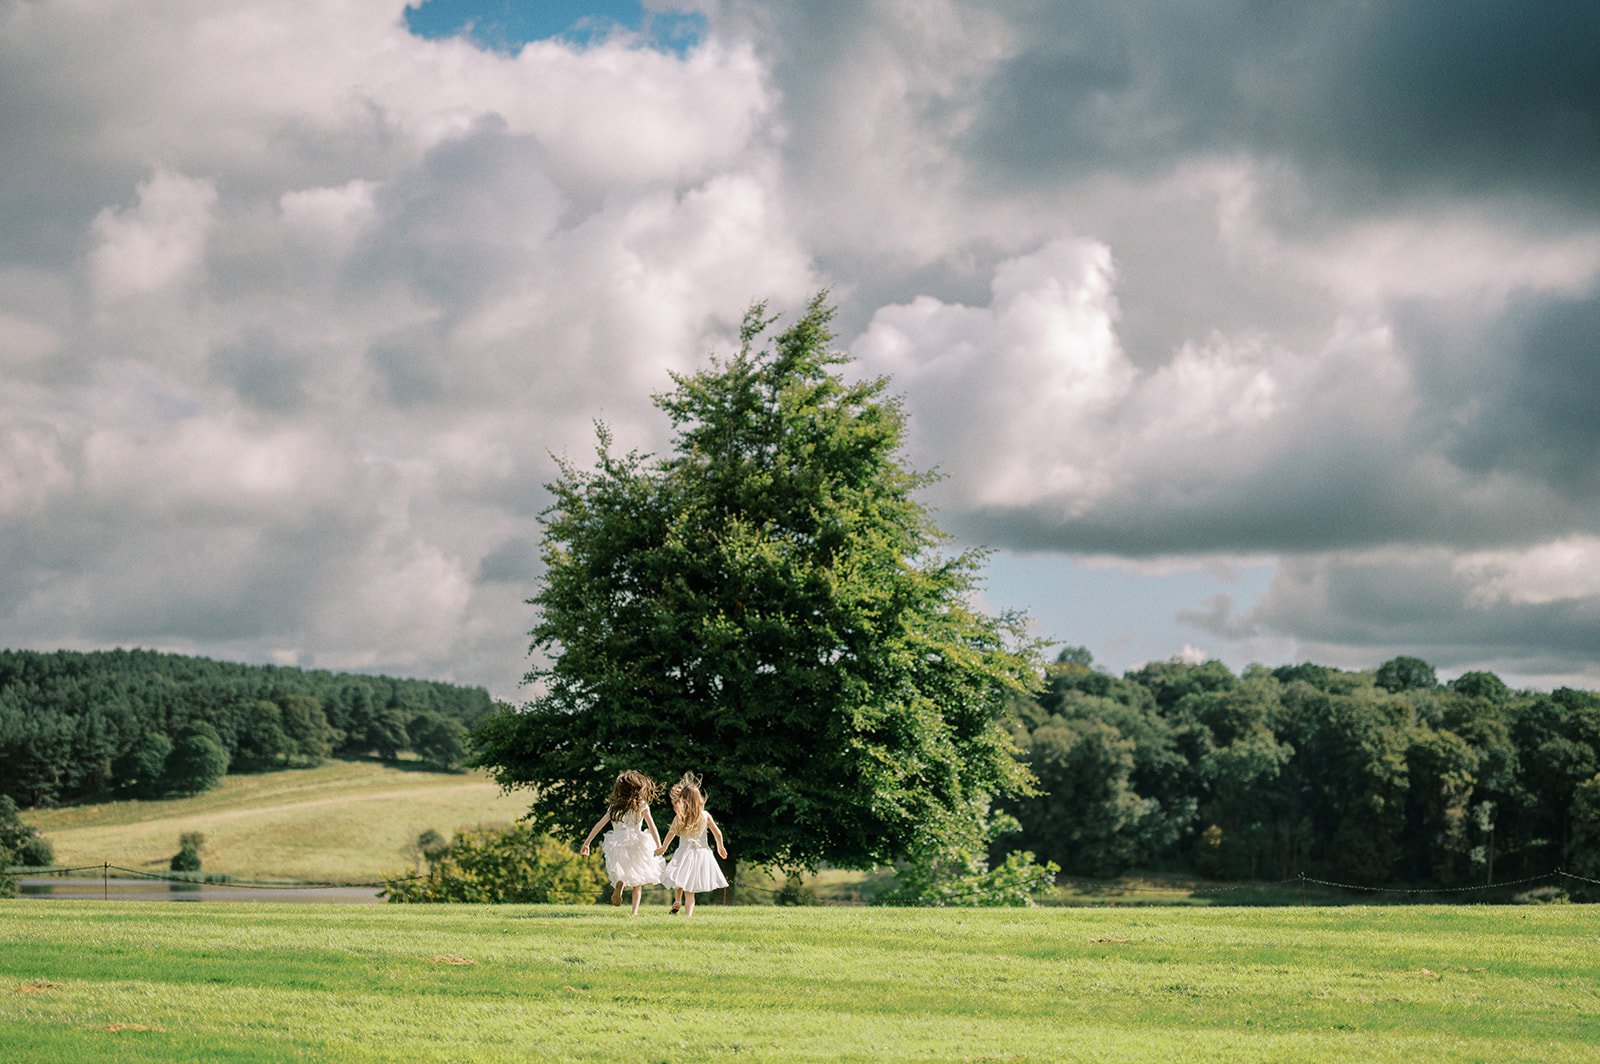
(630, 852)
(693, 866)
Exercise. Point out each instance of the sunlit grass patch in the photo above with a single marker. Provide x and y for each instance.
(343, 821)
(272, 982)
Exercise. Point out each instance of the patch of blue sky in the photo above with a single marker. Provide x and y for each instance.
(1123, 615)
(506, 25)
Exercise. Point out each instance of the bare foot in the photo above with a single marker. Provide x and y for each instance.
(616, 895)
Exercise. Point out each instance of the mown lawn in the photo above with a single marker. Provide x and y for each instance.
(156, 982)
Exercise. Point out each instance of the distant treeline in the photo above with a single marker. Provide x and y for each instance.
(76, 726)
(1382, 777)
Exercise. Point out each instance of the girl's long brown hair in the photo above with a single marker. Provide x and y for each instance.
(632, 791)
(688, 802)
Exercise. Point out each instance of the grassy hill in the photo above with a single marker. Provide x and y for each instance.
(247, 982)
(343, 821)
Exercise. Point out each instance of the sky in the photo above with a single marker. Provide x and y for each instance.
(1264, 332)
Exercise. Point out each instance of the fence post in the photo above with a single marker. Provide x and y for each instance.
(1302, 888)
(105, 881)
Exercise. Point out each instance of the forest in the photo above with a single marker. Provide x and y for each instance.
(138, 723)
(1383, 776)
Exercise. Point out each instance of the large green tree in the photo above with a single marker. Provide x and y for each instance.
(767, 604)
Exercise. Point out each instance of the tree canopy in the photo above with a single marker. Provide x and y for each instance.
(1378, 777)
(76, 726)
(768, 604)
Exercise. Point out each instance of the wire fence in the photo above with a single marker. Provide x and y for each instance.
(1110, 889)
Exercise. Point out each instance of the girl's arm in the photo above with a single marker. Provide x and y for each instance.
(670, 836)
(722, 850)
(598, 824)
(648, 819)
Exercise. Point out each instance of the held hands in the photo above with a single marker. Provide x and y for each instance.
(584, 850)
(660, 850)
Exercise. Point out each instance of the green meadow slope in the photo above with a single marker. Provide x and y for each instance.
(245, 982)
(342, 821)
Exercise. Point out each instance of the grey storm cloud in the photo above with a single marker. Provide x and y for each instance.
(1372, 99)
(1539, 385)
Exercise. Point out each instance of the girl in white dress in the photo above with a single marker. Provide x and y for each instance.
(630, 860)
(692, 869)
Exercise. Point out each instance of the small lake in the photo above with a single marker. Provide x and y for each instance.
(98, 889)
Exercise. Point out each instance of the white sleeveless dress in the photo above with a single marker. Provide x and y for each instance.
(630, 852)
(693, 866)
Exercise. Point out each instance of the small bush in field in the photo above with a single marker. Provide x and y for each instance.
(36, 852)
(187, 859)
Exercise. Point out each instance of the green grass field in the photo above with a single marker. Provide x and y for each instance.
(84, 981)
(343, 821)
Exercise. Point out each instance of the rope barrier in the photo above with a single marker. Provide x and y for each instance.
(1433, 890)
(18, 873)
(247, 884)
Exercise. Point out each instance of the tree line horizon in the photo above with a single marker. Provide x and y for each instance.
(90, 725)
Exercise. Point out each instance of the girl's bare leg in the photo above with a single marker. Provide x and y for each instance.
(688, 903)
(677, 898)
(638, 892)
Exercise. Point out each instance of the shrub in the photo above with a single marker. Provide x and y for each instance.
(503, 864)
(36, 852)
(958, 881)
(187, 859)
(19, 843)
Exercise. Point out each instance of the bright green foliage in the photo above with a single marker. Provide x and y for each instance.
(964, 878)
(766, 605)
(510, 864)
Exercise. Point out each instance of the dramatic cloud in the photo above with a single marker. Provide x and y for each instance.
(295, 305)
